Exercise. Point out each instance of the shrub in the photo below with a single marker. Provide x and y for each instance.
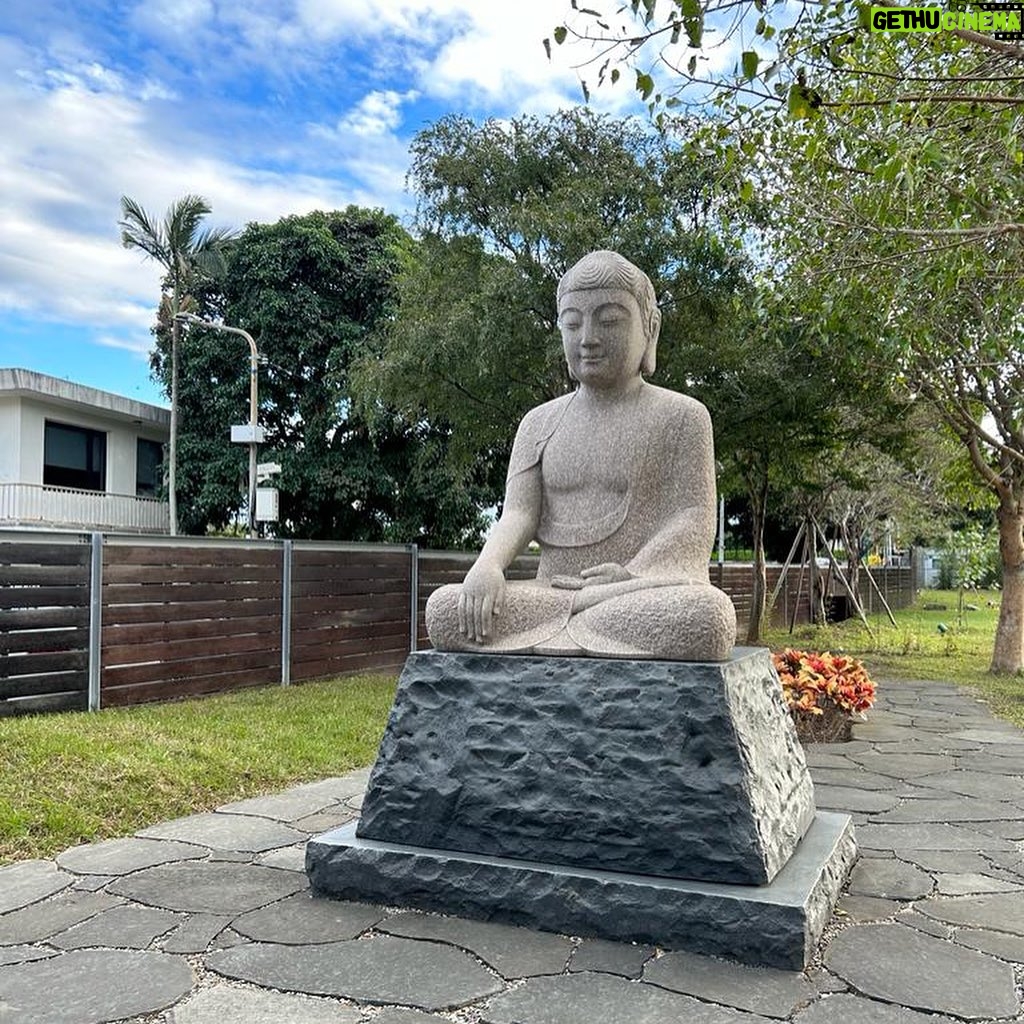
(817, 684)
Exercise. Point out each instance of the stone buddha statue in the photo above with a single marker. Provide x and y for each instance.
(616, 483)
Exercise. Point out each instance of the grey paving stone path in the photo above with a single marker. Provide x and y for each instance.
(208, 920)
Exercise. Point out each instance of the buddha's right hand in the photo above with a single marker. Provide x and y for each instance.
(482, 597)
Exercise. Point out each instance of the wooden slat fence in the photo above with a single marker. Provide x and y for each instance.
(188, 616)
(350, 610)
(183, 620)
(44, 626)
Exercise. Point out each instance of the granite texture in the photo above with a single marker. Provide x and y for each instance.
(889, 878)
(208, 887)
(512, 952)
(28, 882)
(616, 483)
(776, 925)
(231, 1004)
(625, 958)
(770, 993)
(38, 922)
(299, 919)
(652, 767)
(850, 1009)
(119, 856)
(589, 999)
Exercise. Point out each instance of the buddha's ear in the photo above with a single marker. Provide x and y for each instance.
(649, 361)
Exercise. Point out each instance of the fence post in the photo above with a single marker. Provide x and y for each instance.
(95, 619)
(286, 613)
(414, 596)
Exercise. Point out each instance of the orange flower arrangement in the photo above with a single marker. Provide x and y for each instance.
(823, 684)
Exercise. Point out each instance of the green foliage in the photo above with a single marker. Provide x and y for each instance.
(191, 256)
(970, 558)
(504, 209)
(73, 778)
(311, 290)
(179, 243)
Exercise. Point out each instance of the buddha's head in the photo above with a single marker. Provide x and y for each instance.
(606, 294)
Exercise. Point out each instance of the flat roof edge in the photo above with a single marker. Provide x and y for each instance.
(31, 383)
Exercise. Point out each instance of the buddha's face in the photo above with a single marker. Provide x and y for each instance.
(602, 335)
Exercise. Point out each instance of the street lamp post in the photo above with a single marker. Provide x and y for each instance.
(250, 433)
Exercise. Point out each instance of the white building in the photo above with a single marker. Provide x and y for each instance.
(74, 457)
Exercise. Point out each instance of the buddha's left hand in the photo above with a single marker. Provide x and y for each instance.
(606, 572)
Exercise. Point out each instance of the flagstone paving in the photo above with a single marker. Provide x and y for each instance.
(208, 919)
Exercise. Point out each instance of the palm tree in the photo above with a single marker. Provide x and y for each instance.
(185, 250)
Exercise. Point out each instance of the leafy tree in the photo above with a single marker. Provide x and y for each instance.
(793, 409)
(935, 207)
(503, 210)
(789, 56)
(188, 252)
(893, 163)
(311, 289)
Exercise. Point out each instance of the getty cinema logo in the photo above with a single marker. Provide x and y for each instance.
(1003, 20)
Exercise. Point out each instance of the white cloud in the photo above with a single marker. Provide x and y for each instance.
(377, 113)
(71, 150)
(134, 345)
(85, 121)
(169, 18)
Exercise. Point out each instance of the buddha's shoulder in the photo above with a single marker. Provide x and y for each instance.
(551, 408)
(675, 405)
(545, 415)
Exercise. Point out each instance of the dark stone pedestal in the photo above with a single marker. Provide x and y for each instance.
(775, 925)
(650, 800)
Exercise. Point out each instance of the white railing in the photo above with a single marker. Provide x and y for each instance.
(35, 505)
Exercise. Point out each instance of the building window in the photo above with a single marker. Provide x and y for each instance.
(74, 457)
(149, 459)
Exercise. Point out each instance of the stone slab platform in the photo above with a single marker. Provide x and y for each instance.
(775, 925)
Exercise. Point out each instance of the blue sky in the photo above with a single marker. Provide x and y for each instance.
(266, 109)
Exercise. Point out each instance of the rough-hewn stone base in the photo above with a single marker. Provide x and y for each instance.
(776, 925)
(680, 769)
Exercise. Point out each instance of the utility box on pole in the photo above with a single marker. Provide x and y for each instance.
(266, 504)
(247, 433)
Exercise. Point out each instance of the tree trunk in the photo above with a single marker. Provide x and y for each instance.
(852, 545)
(816, 597)
(1008, 653)
(172, 454)
(759, 589)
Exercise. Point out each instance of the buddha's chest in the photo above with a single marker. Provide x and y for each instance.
(588, 476)
(590, 462)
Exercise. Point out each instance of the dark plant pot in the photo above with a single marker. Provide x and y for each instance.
(833, 726)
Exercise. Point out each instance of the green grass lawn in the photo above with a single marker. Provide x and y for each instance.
(917, 648)
(71, 778)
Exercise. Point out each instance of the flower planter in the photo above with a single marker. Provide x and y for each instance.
(833, 725)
